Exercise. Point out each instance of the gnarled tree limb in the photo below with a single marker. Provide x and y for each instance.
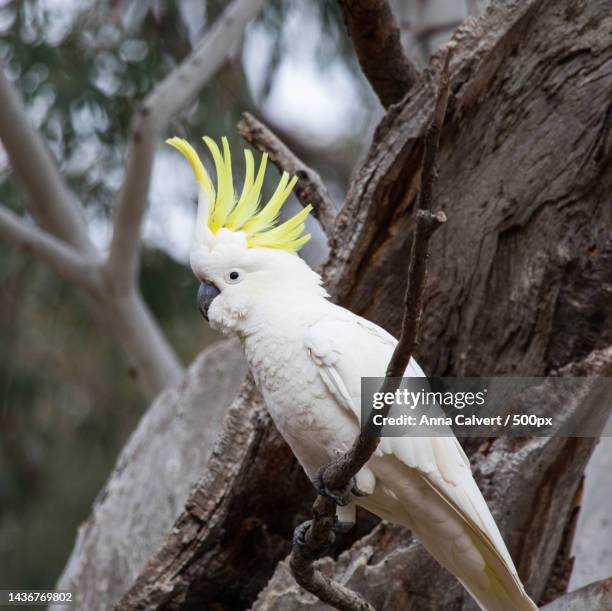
(309, 188)
(377, 42)
(62, 242)
(54, 208)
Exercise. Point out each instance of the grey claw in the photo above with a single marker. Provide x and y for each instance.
(341, 497)
(356, 491)
(300, 544)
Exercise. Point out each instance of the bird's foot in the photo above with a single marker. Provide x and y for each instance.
(340, 496)
(305, 550)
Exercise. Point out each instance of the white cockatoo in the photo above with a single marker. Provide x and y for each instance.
(307, 357)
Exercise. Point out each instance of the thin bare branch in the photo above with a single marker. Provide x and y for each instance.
(426, 224)
(327, 590)
(170, 96)
(309, 188)
(49, 199)
(338, 474)
(81, 269)
(377, 42)
(597, 595)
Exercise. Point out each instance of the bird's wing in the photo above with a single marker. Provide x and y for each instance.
(346, 347)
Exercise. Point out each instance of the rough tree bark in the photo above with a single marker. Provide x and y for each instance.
(594, 596)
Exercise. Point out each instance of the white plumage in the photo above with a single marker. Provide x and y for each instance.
(308, 355)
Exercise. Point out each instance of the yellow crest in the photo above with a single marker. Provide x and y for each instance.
(245, 213)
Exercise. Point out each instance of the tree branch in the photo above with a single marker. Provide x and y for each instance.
(339, 473)
(596, 596)
(52, 206)
(49, 199)
(327, 590)
(377, 42)
(81, 269)
(309, 188)
(169, 97)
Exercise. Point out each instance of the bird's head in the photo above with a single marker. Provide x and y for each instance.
(246, 261)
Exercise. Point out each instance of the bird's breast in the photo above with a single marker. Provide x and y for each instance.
(303, 410)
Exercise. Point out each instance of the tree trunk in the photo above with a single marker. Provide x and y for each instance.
(519, 284)
(152, 479)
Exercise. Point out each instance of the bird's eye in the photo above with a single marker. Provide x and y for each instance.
(233, 276)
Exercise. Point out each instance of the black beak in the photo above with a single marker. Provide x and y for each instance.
(206, 293)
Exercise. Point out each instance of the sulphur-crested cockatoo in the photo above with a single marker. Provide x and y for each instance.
(307, 357)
